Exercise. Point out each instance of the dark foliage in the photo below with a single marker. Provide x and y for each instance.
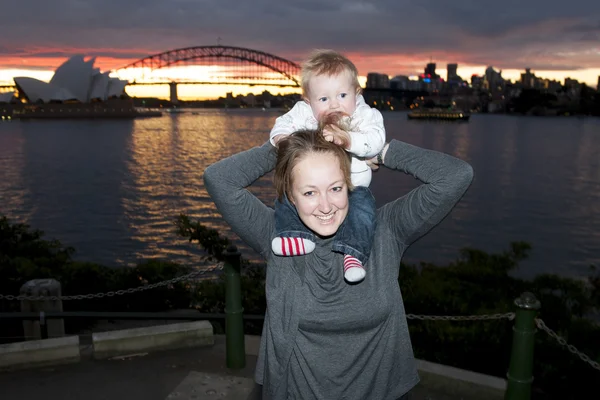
(476, 283)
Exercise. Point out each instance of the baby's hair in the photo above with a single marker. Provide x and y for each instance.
(327, 62)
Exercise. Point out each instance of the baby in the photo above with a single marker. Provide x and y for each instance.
(330, 86)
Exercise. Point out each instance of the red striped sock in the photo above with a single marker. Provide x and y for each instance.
(289, 246)
(353, 269)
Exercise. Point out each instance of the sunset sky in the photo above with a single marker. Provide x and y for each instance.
(556, 39)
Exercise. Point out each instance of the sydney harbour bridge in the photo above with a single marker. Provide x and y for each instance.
(212, 65)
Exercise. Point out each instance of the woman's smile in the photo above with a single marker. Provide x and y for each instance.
(320, 193)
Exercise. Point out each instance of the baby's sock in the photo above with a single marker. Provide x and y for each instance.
(289, 246)
(353, 269)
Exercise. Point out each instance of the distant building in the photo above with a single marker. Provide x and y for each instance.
(572, 83)
(266, 98)
(476, 82)
(414, 85)
(7, 97)
(551, 85)
(430, 70)
(493, 80)
(452, 75)
(76, 80)
(250, 100)
(453, 80)
(429, 80)
(377, 81)
(400, 82)
(528, 79)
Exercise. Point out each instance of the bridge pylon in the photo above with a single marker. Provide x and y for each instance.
(173, 93)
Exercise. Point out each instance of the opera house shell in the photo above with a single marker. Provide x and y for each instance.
(76, 90)
(76, 80)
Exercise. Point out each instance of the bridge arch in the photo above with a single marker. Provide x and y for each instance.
(287, 69)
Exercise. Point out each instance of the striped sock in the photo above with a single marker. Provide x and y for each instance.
(353, 269)
(288, 246)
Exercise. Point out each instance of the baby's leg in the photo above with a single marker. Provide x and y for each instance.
(355, 237)
(292, 238)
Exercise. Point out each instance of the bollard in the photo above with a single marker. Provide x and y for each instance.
(42, 328)
(234, 323)
(520, 370)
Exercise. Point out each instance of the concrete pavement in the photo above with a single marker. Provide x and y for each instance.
(196, 373)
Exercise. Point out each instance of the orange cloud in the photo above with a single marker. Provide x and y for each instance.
(34, 61)
(50, 57)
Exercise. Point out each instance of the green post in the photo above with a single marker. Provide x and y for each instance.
(234, 323)
(520, 370)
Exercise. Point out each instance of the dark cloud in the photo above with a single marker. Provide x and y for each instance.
(13, 51)
(510, 34)
(90, 53)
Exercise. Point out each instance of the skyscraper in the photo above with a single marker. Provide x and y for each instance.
(528, 78)
(452, 75)
(430, 70)
(377, 81)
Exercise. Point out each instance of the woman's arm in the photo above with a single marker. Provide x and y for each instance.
(226, 183)
(445, 179)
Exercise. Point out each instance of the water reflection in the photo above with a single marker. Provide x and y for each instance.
(112, 189)
(527, 187)
(71, 172)
(168, 157)
(462, 141)
(13, 190)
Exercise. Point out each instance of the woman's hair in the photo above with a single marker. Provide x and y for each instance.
(295, 147)
(329, 63)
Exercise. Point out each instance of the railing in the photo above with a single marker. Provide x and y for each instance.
(520, 370)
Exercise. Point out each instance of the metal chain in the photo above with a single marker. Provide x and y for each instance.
(510, 316)
(540, 324)
(189, 276)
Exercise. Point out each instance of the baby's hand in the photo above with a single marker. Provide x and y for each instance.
(372, 162)
(338, 136)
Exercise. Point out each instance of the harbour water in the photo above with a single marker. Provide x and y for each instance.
(112, 189)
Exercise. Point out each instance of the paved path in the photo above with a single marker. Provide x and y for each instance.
(152, 376)
(197, 373)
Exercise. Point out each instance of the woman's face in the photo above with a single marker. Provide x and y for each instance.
(320, 193)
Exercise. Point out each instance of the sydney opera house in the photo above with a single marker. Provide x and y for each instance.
(76, 89)
(7, 97)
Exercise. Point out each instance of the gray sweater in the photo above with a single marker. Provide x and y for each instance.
(323, 338)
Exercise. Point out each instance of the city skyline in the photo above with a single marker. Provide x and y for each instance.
(381, 36)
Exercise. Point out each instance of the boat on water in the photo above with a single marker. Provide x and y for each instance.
(439, 114)
(117, 108)
(174, 110)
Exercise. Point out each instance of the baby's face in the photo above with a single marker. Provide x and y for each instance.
(329, 94)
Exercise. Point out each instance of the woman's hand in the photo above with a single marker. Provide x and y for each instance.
(379, 159)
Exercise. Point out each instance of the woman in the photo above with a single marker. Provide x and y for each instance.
(324, 338)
